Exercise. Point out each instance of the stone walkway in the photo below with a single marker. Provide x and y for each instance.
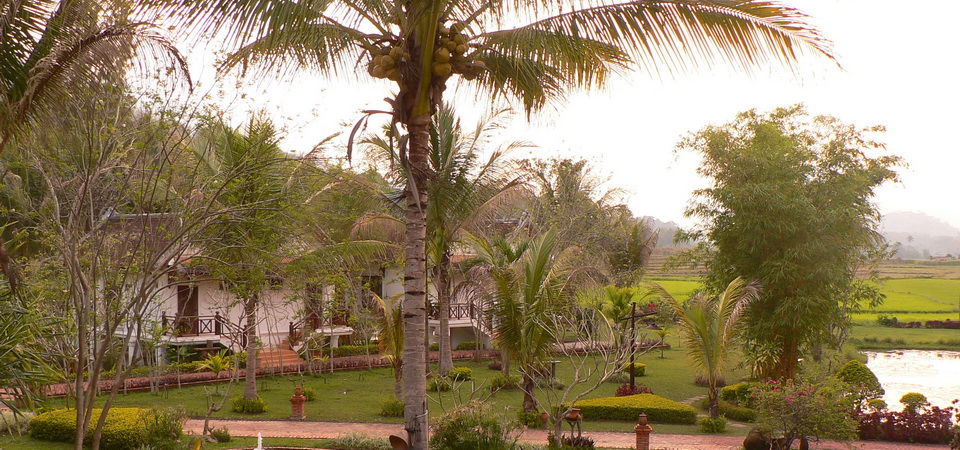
(319, 430)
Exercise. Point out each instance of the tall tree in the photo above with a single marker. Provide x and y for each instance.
(243, 246)
(531, 51)
(790, 206)
(709, 326)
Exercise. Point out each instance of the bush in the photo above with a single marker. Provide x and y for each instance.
(471, 426)
(618, 377)
(221, 435)
(713, 426)
(639, 369)
(731, 411)
(739, 394)
(569, 442)
(886, 321)
(460, 374)
(391, 408)
(254, 406)
(467, 345)
(435, 347)
(495, 364)
(125, 428)
(502, 381)
(14, 423)
(658, 409)
(309, 392)
(439, 384)
(702, 381)
(913, 401)
(927, 425)
(797, 410)
(863, 383)
(164, 427)
(877, 404)
(625, 390)
(529, 419)
(356, 441)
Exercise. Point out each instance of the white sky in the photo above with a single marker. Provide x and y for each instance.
(901, 70)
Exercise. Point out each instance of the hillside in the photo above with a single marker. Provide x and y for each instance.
(920, 236)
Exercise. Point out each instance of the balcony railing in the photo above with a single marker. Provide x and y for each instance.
(215, 325)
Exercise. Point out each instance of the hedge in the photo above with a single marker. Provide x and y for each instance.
(639, 369)
(354, 350)
(732, 411)
(739, 394)
(657, 409)
(125, 428)
(467, 345)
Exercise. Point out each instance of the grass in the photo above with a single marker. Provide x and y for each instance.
(875, 337)
(355, 396)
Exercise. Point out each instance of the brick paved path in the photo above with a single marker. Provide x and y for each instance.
(317, 430)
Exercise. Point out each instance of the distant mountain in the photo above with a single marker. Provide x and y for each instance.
(920, 236)
(666, 231)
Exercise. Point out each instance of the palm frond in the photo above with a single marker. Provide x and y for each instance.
(380, 227)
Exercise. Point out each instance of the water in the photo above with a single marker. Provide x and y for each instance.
(933, 373)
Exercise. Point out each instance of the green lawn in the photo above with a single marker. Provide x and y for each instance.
(355, 396)
(26, 443)
(875, 337)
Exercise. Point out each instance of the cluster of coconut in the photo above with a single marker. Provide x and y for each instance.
(448, 57)
(384, 65)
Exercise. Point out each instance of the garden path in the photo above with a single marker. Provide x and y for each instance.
(320, 430)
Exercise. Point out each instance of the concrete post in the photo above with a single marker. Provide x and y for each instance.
(296, 404)
(643, 431)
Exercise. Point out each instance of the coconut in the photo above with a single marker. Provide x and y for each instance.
(442, 55)
(378, 72)
(457, 27)
(387, 61)
(442, 69)
(460, 38)
(461, 49)
(396, 53)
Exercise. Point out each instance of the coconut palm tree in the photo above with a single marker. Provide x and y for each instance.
(50, 49)
(708, 326)
(390, 339)
(533, 51)
(467, 194)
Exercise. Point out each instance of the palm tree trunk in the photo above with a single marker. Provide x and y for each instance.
(714, 401)
(414, 300)
(529, 404)
(250, 373)
(442, 284)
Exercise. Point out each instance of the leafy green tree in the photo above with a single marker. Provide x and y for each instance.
(244, 246)
(50, 49)
(570, 199)
(709, 326)
(532, 51)
(790, 207)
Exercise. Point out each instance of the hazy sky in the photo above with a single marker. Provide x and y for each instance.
(900, 69)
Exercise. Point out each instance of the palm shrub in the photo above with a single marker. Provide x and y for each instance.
(708, 326)
(533, 52)
(217, 363)
(470, 426)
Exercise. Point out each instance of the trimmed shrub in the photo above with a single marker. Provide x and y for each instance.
(356, 441)
(439, 384)
(125, 428)
(529, 419)
(221, 435)
(625, 390)
(460, 374)
(658, 409)
(502, 381)
(861, 379)
(309, 392)
(731, 411)
(253, 406)
(618, 377)
(391, 408)
(495, 364)
(467, 345)
(639, 369)
(912, 401)
(927, 425)
(713, 426)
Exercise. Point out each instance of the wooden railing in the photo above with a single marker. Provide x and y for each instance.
(215, 325)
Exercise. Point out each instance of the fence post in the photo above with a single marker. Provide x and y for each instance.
(643, 431)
